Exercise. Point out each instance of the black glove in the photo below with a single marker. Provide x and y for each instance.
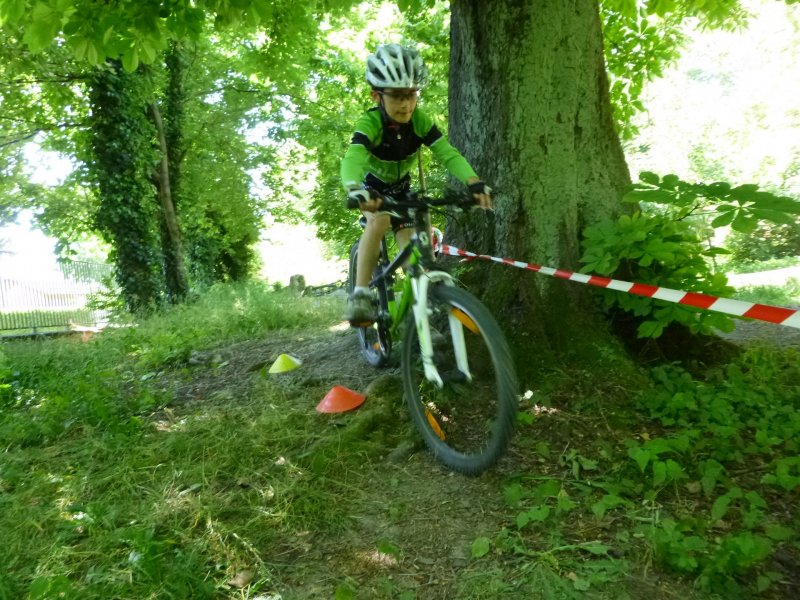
(479, 187)
(356, 197)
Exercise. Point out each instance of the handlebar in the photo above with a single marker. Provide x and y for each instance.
(413, 201)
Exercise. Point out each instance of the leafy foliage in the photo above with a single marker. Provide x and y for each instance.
(730, 418)
(251, 61)
(208, 106)
(138, 32)
(219, 215)
(656, 250)
(638, 49)
(38, 95)
(742, 207)
(667, 247)
(644, 38)
(767, 241)
(707, 482)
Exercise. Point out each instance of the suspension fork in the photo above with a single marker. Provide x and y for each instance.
(420, 285)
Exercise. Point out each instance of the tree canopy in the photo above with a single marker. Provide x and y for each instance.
(262, 111)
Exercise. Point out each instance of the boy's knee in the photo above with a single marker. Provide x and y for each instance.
(378, 223)
(403, 236)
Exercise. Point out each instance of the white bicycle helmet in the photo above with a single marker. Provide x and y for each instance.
(395, 66)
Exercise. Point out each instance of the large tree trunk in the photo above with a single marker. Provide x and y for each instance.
(529, 106)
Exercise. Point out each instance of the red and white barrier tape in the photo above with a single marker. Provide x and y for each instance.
(762, 312)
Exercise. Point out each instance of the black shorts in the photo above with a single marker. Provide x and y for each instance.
(400, 220)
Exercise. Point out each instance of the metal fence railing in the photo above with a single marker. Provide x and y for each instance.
(54, 301)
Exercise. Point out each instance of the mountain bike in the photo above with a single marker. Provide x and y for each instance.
(459, 381)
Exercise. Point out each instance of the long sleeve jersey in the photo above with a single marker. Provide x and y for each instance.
(381, 153)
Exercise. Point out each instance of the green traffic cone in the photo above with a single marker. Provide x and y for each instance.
(285, 362)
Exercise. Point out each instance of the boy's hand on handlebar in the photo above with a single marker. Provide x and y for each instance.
(481, 193)
(368, 200)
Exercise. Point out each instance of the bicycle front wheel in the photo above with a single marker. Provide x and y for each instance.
(374, 341)
(469, 420)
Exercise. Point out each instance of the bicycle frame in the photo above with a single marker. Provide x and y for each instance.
(418, 254)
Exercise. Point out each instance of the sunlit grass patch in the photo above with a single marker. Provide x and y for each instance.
(223, 315)
(775, 295)
(52, 387)
(177, 513)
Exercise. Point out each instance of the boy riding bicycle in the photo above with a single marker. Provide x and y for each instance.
(380, 157)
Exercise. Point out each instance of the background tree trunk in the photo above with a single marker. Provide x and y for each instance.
(174, 273)
(175, 99)
(529, 106)
(120, 162)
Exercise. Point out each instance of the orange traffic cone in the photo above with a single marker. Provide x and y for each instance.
(340, 399)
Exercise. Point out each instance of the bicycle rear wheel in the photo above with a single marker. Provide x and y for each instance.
(374, 341)
(468, 422)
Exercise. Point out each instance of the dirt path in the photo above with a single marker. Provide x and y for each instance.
(401, 499)
(754, 332)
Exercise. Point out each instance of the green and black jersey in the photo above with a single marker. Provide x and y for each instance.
(382, 154)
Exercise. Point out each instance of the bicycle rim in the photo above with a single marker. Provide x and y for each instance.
(373, 341)
(468, 422)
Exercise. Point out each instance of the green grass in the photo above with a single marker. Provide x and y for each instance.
(775, 295)
(176, 511)
(764, 265)
(99, 498)
(633, 483)
(107, 383)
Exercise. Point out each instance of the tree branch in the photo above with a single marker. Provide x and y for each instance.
(65, 79)
(39, 129)
(21, 139)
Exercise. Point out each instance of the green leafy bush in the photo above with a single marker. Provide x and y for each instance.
(742, 207)
(767, 242)
(657, 250)
(668, 245)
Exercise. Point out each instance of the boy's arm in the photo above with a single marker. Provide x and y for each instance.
(452, 159)
(354, 166)
(355, 162)
(441, 148)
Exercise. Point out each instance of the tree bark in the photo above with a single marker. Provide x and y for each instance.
(120, 161)
(175, 276)
(530, 108)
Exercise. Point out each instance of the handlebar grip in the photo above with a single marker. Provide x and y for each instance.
(355, 198)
